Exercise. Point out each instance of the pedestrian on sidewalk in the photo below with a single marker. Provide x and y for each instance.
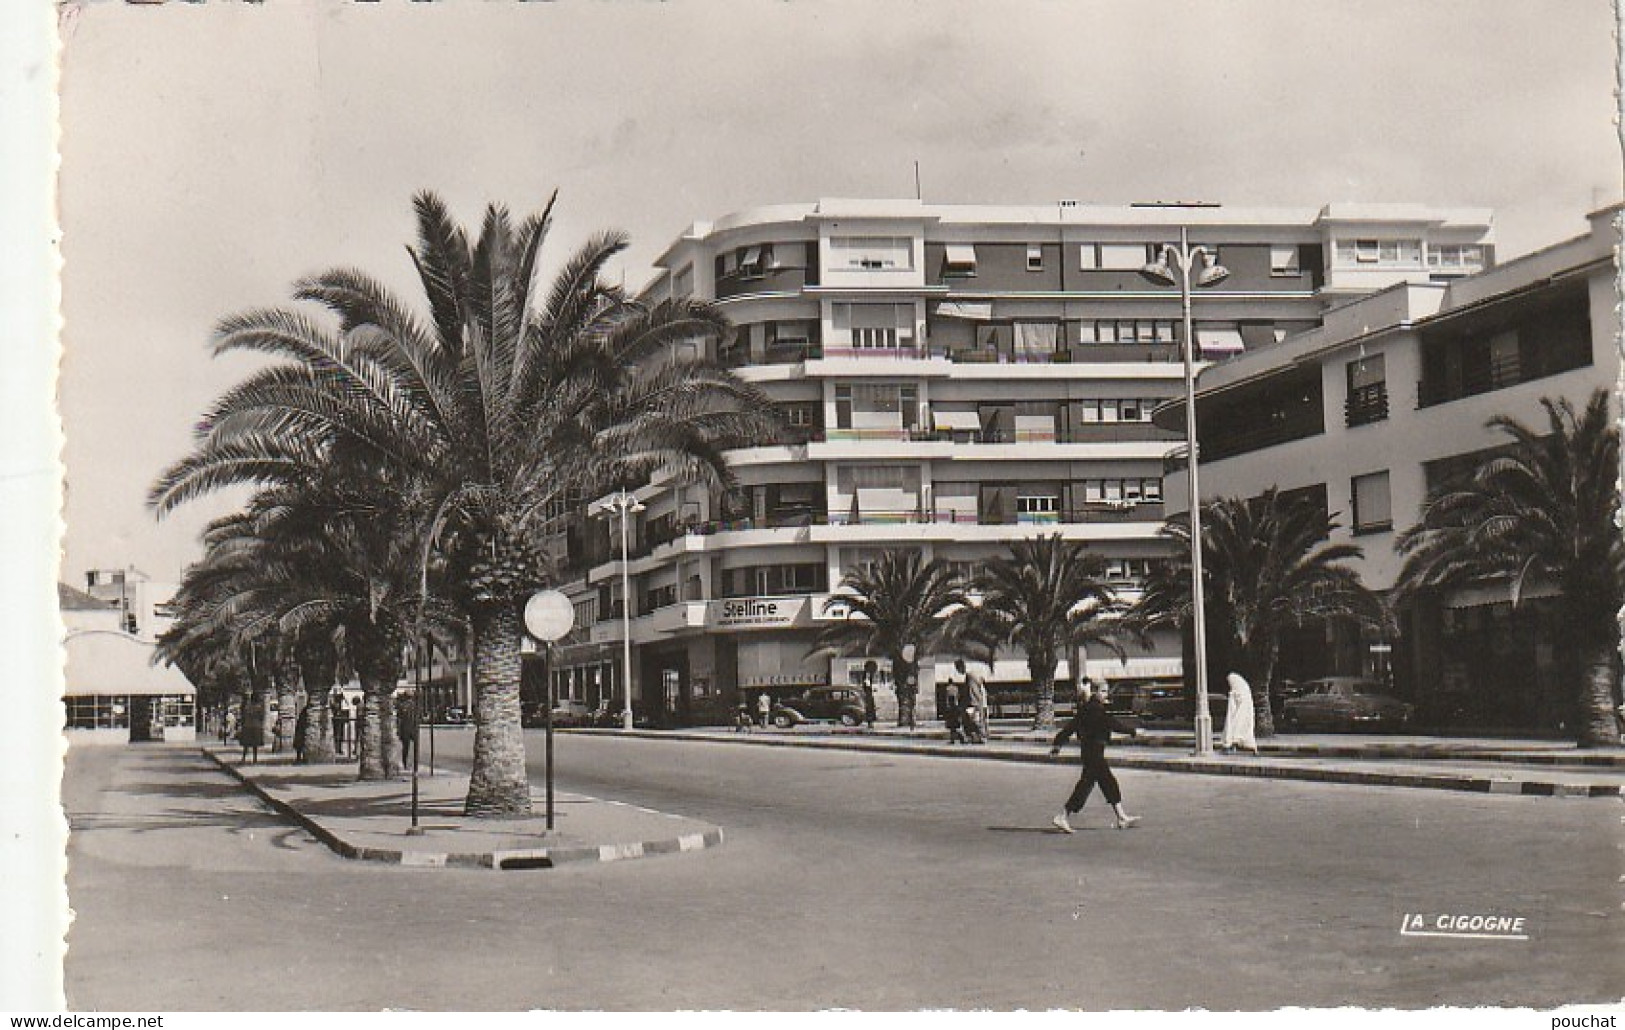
(975, 703)
(867, 682)
(406, 725)
(908, 692)
(764, 705)
(301, 731)
(1238, 717)
(341, 725)
(951, 716)
(251, 732)
(1093, 726)
(742, 719)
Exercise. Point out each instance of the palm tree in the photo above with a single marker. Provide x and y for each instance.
(1544, 512)
(498, 408)
(1046, 596)
(1267, 568)
(896, 608)
(222, 631)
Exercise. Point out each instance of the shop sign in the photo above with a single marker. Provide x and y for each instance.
(758, 611)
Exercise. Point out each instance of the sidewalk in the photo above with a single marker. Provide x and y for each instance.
(1540, 768)
(369, 819)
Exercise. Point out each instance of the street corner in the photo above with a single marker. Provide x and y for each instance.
(369, 821)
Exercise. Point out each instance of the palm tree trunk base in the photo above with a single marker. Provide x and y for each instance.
(497, 800)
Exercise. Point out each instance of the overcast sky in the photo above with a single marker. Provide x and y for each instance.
(214, 153)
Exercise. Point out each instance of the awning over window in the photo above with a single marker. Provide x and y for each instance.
(961, 257)
(751, 257)
(952, 420)
(970, 310)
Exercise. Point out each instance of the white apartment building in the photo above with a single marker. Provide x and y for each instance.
(953, 378)
(1385, 402)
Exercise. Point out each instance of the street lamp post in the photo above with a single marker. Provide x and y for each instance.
(1183, 259)
(624, 504)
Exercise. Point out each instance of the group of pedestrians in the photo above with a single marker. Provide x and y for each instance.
(965, 706)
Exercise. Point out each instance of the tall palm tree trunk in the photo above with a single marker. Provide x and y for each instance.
(1041, 667)
(319, 727)
(287, 701)
(1263, 714)
(316, 671)
(1599, 726)
(498, 785)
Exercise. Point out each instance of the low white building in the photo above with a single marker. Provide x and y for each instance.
(1380, 406)
(115, 693)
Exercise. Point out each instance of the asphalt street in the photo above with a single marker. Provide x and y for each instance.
(875, 882)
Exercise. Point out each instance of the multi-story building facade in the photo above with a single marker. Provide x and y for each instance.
(952, 378)
(1383, 404)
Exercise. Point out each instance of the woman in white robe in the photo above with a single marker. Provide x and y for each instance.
(1238, 719)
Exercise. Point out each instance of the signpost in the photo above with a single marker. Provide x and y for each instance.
(549, 616)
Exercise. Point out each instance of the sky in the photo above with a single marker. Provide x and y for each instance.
(214, 153)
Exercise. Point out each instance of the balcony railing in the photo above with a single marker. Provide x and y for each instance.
(1366, 404)
(1496, 375)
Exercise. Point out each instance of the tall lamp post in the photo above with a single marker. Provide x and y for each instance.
(624, 504)
(1183, 259)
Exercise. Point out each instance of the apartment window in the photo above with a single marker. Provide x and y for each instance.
(1455, 255)
(875, 326)
(1372, 509)
(882, 477)
(682, 284)
(1284, 259)
(750, 262)
(1129, 330)
(1038, 508)
(959, 260)
(1392, 253)
(1368, 392)
(1035, 258)
(873, 252)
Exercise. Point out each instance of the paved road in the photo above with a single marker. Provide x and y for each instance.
(850, 880)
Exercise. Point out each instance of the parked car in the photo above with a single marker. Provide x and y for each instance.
(1167, 702)
(1344, 703)
(820, 704)
(566, 713)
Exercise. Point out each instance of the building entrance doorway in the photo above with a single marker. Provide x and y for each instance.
(146, 719)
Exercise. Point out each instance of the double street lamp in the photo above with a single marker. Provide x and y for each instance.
(624, 504)
(1182, 260)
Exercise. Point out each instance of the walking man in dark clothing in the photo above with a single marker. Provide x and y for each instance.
(1093, 727)
(406, 725)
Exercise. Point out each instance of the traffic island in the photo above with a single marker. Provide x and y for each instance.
(370, 820)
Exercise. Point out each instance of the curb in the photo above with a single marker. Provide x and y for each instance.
(527, 858)
(1424, 781)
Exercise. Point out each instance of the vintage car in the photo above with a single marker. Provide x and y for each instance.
(819, 704)
(1344, 703)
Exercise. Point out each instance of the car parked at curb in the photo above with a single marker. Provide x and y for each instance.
(820, 704)
(1344, 703)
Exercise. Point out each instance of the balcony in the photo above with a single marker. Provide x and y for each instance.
(1496, 374)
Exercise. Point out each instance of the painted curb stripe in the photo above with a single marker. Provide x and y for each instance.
(534, 858)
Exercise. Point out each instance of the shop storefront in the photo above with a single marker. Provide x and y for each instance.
(115, 695)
